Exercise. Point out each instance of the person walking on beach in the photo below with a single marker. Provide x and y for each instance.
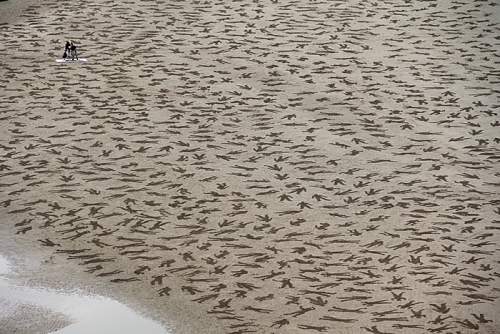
(66, 50)
(73, 51)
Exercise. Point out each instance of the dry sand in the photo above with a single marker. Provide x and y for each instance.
(257, 166)
(11, 11)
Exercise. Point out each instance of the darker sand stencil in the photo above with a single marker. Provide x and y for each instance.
(286, 166)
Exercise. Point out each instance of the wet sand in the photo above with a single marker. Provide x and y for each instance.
(29, 310)
(256, 167)
(40, 292)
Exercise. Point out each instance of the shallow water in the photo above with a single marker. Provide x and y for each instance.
(88, 314)
(4, 266)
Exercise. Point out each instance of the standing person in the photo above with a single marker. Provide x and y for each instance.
(66, 50)
(73, 51)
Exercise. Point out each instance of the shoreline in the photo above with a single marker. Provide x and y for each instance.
(37, 269)
(61, 311)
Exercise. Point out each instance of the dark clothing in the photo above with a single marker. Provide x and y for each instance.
(73, 52)
(70, 51)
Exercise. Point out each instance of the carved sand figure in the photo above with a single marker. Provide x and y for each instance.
(286, 166)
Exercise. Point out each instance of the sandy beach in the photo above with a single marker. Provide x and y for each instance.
(231, 167)
(12, 10)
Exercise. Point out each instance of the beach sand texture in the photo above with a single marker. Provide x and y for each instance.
(261, 166)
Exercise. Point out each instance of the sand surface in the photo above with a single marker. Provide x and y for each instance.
(257, 166)
(41, 310)
(12, 10)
